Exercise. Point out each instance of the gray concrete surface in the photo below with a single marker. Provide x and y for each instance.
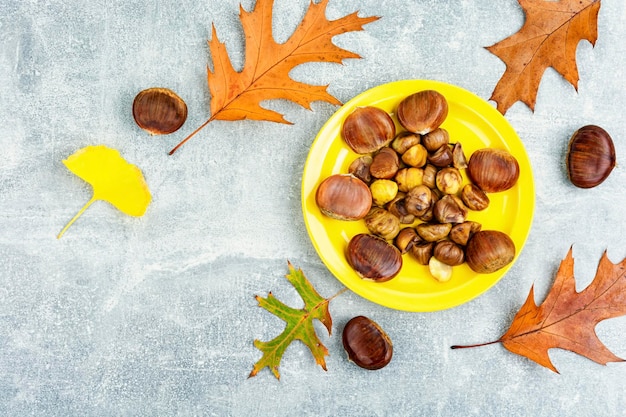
(156, 316)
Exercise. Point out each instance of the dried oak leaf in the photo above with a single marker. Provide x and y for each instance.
(549, 38)
(299, 324)
(567, 318)
(265, 75)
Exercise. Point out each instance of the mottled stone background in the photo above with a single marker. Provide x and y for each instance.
(156, 316)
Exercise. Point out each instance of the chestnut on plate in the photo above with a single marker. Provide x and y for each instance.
(373, 258)
(366, 343)
(344, 197)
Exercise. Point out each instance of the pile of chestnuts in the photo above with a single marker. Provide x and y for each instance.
(408, 188)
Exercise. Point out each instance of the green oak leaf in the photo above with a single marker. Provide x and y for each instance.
(299, 324)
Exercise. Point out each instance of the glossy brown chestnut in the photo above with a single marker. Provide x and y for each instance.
(344, 197)
(493, 170)
(590, 157)
(373, 258)
(422, 112)
(159, 111)
(489, 250)
(368, 129)
(366, 343)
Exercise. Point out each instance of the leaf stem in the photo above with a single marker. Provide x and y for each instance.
(473, 346)
(344, 289)
(80, 212)
(192, 134)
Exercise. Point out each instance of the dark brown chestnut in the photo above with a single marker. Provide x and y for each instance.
(368, 129)
(366, 343)
(590, 157)
(159, 111)
(373, 258)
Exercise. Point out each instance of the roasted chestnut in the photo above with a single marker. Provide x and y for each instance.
(462, 232)
(474, 198)
(449, 180)
(366, 343)
(422, 112)
(159, 111)
(373, 258)
(442, 272)
(415, 156)
(409, 178)
(418, 200)
(368, 129)
(422, 251)
(450, 209)
(404, 140)
(360, 168)
(449, 253)
(343, 197)
(436, 139)
(493, 170)
(382, 223)
(459, 161)
(406, 239)
(489, 250)
(397, 207)
(383, 191)
(432, 232)
(590, 157)
(442, 157)
(385, 164)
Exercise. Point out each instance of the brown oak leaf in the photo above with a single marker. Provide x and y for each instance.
(567, 318)
(265, 75)
(549, 38)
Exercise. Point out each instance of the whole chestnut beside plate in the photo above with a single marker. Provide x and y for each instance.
(366, 343)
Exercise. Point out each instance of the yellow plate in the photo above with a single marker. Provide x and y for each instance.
(473, 122)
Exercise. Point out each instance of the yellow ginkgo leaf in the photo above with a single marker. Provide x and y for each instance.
(112, 178)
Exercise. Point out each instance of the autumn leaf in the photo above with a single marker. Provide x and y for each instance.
(113, 180)
(299, 324)
(549, 38)
(567, 318)
(265, 75)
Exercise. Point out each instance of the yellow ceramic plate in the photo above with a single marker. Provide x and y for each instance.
(471, 121)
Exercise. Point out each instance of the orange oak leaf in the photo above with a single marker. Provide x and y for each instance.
(549, 38)
(567, 318)
(265, 75)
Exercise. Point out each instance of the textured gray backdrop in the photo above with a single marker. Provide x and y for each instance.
(156, 316)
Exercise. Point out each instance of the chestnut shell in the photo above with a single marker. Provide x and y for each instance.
(366, 343)
(373, 258)
(159, 111)
(590, 157)
(368, 129)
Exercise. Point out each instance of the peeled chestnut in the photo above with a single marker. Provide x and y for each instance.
(159, 111)
(442, 157)
(415, 156)
(373, 258)
(366, 343)
(418, 200)
(449, 180)
(493, 170)
(474, 198)
(406, 239)
(432, 232)
(422, 251)
(404, 140)
(450, 209)
(422, 112)
(344, 197)
(382, 223)
(462, 232)
(449, 253)
(409, 178)
(368, 129)
(489, 250)
(590, 157)
(397, 207)
(383, 191)
(436, 139)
